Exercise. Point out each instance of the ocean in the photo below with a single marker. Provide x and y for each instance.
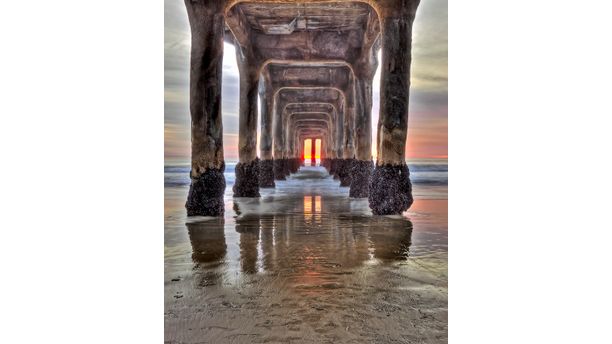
(429, 177)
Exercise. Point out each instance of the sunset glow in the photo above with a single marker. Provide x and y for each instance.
(308, 149)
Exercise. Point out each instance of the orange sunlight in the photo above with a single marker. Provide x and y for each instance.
(308, 149)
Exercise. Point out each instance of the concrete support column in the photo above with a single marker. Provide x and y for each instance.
(287, 145)
(339, 145)
(331, 153)
(362, 166)
(348, 152)
(313, 151)
(287, 158)
(323, 157)
(295, 152)
(279, 158)
(207, 24)
(323, 145)
(247, 169)
(292, 152)
(266, 164)
(390, 187)
(300, 147)
(292, 166)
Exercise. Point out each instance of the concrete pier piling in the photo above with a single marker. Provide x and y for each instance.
(310, 66)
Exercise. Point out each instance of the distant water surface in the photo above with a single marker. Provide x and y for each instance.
(429, 177)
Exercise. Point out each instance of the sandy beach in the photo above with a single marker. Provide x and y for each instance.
(306, 264)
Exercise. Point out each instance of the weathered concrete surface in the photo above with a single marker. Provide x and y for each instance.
(287, 166)
(207, 164)
(295, 165)
(333, 167)
(247, 179)
(247, 169)
(325, 163)
(280, 30)
(313, 152)
(279, 169)
(344, 171)
(266, 108)
(361, 172)
(395, 84)
(247, 109)
(390, 190)
(205, 196)
(266, 173)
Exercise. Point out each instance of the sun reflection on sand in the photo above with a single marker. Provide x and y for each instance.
(312, 209)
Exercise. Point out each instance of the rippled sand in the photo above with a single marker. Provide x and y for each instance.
(305, 264)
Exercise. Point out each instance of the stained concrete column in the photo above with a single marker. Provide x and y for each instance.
(313, 151)
(277, 127)
(287, 142)
(247, 169)
(301, 150)
(292, 160)
(348, 152)
(207, 163)
(363, 164)
(266, 164)
(323, 155)
(339, 144)
(390, 187)
(285, 148)
(349, 123)
(333, 153)
(296, 162)
(292, 150)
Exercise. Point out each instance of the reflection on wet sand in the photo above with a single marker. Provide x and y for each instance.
(299, 249)
(208, 250)
(305, 265)
(207, 242)
(265, 247)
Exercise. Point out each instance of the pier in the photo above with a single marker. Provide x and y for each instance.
(311, 65)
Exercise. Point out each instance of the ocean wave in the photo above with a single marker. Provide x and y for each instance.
(176, 179)
(429, 182)
(428, 167)
(230, 167)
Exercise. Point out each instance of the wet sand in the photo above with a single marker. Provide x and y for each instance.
(305, 264)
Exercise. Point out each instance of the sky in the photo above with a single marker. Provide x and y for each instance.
(428, 111)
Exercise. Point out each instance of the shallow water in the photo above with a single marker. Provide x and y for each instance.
(305, 263)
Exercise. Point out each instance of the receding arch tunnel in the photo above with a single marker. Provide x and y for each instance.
(310, 64)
